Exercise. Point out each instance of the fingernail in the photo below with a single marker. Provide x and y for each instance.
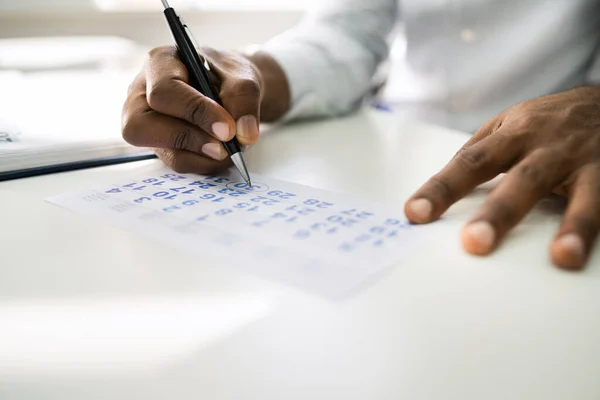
(221, 131)
(479, 237)
(573, 246)
(420, 210)
(214, 150)
(247, 126)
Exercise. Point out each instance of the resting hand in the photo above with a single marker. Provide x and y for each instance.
(550, 144)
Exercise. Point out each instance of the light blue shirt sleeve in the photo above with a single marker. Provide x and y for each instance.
(331, 57)
(593, 74)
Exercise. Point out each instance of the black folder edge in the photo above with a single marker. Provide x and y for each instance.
(74, 166)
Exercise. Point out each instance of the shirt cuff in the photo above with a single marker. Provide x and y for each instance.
(299, 63)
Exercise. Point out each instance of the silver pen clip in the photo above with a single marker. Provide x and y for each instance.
(196, 45)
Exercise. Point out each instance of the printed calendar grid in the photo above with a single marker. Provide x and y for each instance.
(311, 238)
(217, 193)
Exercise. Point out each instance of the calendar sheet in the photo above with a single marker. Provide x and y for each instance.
(314, 239)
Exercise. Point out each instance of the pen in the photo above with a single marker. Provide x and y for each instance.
(199, 79)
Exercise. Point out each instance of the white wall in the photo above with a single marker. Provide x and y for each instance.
(44, 5)
(220, 29)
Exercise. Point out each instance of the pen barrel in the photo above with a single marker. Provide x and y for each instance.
(198, 75)
(233, 146)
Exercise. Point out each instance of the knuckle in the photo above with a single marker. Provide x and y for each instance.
(161, 51)
(442, 187)
(531, 173)
(246, 87)
(249, 87)
(524, 122)
(473, 158)
(183, 139)
(159, 93)
(490, 126)
(541, 166)
(197, 111)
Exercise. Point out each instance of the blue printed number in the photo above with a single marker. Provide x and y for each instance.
(358, 214)
(347, 247)
(183, 190)
(173, 177)
(165, 195)
(305, 211)
(341, 220)
(190, 202)
(278, 215)
(114, 191)
(318, 226)
(224, 212)
(247, 206)
(217, 179)
(317, 203)
(303, 234)
(153, 181)
(264, 200)
(133, 185)
(142, 199)
(283, 216)
(378, 230)
(203, 185)
(397, 223)
(363, 238)
(232, 192)
(212, 197)
(281, 195)
(244, 185)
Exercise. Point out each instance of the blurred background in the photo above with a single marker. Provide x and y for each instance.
(220, 23)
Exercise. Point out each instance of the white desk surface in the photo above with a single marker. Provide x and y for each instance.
(88, 311)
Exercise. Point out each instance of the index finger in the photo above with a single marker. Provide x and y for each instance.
(470, 167)
(168, 92)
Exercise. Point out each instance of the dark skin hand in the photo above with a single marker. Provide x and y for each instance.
(185, 128)
(547, 145)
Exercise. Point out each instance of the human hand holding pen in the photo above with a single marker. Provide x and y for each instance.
(186, 128)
